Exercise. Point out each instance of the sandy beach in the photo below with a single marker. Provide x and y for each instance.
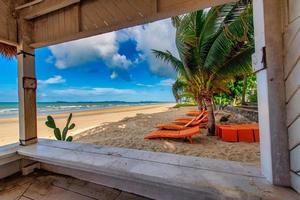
(84, 120)
(127, 126)
(130, 133)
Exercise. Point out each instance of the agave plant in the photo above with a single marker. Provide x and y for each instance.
(214, 46)
(57, 133)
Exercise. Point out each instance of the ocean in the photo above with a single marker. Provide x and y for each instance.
(10, 109)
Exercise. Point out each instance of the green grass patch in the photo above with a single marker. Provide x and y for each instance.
(179, 105)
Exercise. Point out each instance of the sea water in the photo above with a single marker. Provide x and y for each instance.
(10, 109)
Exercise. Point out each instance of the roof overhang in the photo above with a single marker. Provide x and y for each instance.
(56, 21)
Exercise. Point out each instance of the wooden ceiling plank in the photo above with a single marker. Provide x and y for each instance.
(28, 4)
(90, 9)
(50, 9)
(126, 9)
(94, 18)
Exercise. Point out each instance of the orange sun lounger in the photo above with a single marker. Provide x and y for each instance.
(174, 126)
(196, 112)
(198, 116)
(182, 122)
(185, 133)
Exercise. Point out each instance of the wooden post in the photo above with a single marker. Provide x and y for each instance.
(26, 87)
(27, 96)
(268, 65)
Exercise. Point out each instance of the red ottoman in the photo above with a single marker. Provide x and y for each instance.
(256, 134)
(229, 134)
(246, 134)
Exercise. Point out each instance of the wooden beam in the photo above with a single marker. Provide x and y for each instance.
(28, 4)
(50, 9)
(12, 43)
(155, 6)
(155, 11)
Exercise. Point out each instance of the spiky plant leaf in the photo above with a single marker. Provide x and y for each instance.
(50, 122)
(72, 126)
(57, 134)
(69, 139)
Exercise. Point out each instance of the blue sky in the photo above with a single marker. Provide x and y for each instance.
(116, 66)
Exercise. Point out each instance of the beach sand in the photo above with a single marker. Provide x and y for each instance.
(130, 133)
(84, 120)
(127, 126)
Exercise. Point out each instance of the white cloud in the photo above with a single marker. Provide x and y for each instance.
(52, 80)
(167, 82)
(120, 60)
(114, 75)
(105, 47)
(158, 35)
(94, 91)
(144, 85)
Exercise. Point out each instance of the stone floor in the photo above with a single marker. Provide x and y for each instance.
(42, 185)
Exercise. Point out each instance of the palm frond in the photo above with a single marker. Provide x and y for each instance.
(8, 51)
(167, 57)
(233, 37)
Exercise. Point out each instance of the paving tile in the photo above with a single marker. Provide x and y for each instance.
(14, 180)
(129, 196)
(24, 198)
(14, 192)
(85, 188)
(44, 190)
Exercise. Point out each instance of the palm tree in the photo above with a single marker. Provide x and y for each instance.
(7, 51)
(214, 46)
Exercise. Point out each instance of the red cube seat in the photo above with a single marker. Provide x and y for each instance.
(256, 134)
(246, 134)
(229, 134)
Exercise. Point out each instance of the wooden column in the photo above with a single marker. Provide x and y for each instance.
(26, 87)
(268, 64)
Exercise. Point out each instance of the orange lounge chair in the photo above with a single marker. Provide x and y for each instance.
(184, 133)
(183, 122)
(198, 116)
(174, 126)
(196, 112)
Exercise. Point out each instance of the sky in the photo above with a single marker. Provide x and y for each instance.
(116, 66)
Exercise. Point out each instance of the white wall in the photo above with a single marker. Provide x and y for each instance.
(292, 86)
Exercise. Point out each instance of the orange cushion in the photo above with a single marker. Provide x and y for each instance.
(170, 126)
(256, 135)
(229, 134)
(246, 134)
(188, 132)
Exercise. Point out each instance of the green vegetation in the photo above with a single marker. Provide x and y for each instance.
(57, 133)
(241, 91)
(214, 46)
(186, 104)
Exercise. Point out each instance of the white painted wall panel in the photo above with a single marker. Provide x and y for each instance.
(294, 9)
(293, 82)
(295, 159)
(293, 108)
(292, 85)
(294, 134)
(292, 54)
(295, 180)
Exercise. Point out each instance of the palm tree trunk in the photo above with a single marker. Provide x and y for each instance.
(211, 117)
(200, 103)
(244, 90)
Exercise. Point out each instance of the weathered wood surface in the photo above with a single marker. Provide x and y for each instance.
(60, 21)
(8, 28)
(292, 84)
(46, 186)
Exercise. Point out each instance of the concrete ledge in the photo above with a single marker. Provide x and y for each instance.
(155, 175)
(9, 160)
